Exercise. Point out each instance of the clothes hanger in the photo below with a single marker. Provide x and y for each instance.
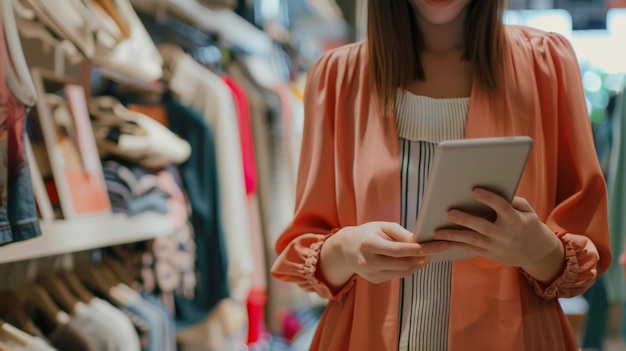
(223, 23)
(95, 279)
(15, 54)
(45, 312)
(126, 293)
(12, 333)
(75, 286)
(111, 9)
(10, 305)
(118, 269)
(59, 292)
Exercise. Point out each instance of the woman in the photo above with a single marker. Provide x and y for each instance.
(435, 70)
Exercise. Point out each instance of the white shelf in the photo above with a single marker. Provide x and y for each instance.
(66, 236)
(122, 78)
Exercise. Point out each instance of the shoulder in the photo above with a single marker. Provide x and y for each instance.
(541, 46)
(347, 54)
(340, 63)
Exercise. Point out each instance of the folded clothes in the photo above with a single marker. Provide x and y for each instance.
(134, 137)
(133, 189)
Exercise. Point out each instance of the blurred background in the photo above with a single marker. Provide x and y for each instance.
(149, 153)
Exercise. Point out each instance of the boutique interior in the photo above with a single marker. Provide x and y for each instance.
(150, 152)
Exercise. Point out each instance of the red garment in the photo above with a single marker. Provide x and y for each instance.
(615, 4)
(245, 134)
(255, 301)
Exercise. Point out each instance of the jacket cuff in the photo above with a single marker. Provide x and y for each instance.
(315, 278)
(567, 278)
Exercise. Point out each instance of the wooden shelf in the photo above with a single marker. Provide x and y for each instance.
(67, 236)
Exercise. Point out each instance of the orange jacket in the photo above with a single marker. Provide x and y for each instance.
(350, 174)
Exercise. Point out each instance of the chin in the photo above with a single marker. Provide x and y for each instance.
(440, 11)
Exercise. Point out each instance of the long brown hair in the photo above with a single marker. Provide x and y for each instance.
(391, 55)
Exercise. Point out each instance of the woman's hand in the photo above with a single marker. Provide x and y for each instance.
(376, 251)
(517, 237)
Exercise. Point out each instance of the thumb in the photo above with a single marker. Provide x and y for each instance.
(396, 232)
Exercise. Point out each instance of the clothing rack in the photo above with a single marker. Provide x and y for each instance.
(217, 230)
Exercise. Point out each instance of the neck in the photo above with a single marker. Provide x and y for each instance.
(442, 38)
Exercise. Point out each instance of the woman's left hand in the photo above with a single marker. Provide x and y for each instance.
(517, 237)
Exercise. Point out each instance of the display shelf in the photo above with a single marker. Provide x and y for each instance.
(67, 236)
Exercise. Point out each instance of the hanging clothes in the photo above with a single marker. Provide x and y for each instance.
(206, 91)
(611, 287)
(196, 85)
(200, 177)
(18, 212)
(616, 286)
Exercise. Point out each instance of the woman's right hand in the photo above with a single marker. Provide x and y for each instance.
(376, 251)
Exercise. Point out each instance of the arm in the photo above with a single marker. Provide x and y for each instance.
(579, 218)
(316, 217)
(313, 251)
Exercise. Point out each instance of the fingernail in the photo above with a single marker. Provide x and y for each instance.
(420, 261)
(479, 192)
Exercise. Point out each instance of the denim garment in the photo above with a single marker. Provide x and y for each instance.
(170, 327)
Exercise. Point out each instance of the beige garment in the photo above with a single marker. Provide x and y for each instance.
(223, 329)
(261, 271)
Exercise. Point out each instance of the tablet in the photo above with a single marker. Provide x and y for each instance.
(459, 166)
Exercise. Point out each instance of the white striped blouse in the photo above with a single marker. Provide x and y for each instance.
(425, 296)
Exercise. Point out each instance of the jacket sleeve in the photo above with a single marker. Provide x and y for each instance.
(580, 216)
(316, 218)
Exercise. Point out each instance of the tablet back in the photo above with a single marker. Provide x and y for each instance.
(459, 166)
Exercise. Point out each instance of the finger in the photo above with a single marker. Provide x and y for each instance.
(468, 237)
(398, 264)
(443, 246)
(385, 247)
(396, 232)
(475, 223)
(387, 275)
(498, 203)
(433, 247)
(521, 204)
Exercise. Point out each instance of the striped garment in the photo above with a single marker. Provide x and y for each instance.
(425, 296)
